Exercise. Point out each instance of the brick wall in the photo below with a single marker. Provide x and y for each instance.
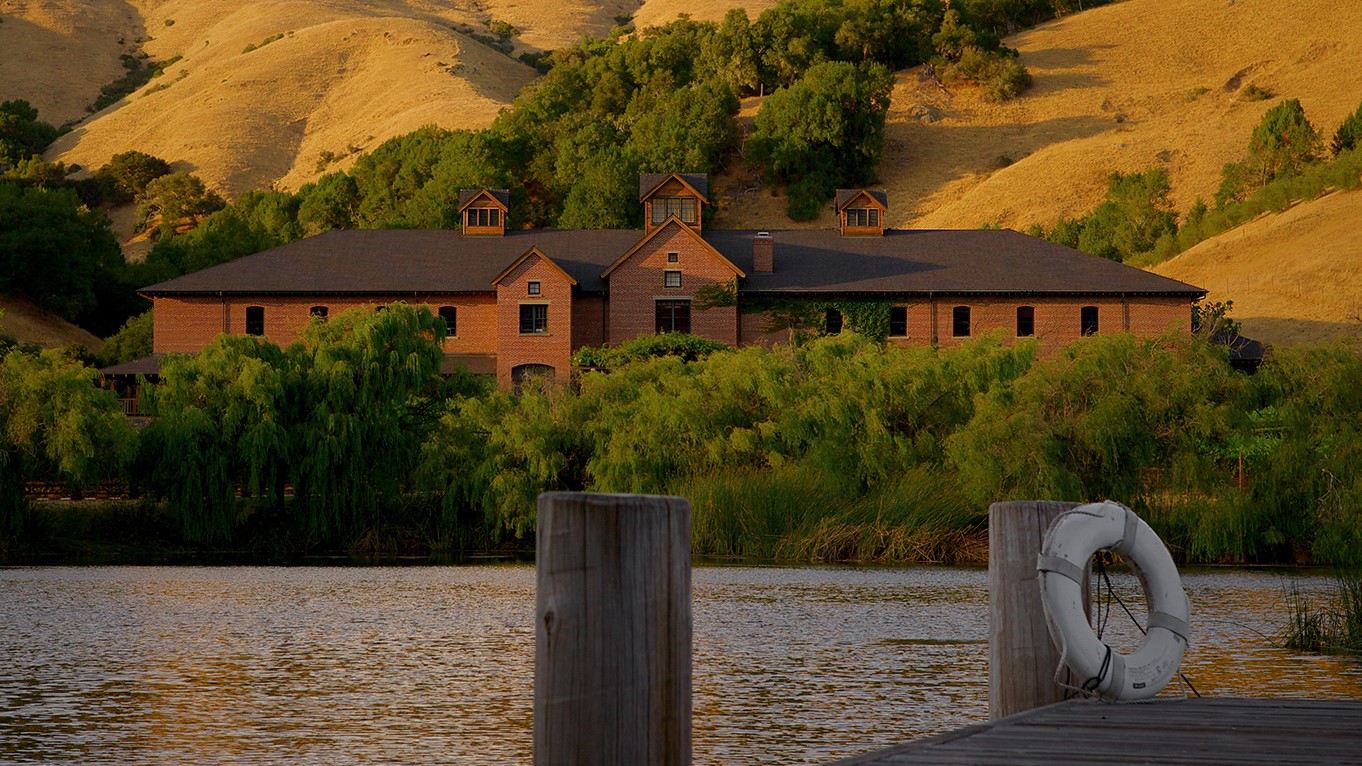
(636, 285)
(1057, 320)
(186, 325)
(553, 347)
(588, 320)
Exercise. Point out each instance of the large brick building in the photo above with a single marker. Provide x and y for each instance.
(519, 302)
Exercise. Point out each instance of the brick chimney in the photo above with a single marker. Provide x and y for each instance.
(763, 253)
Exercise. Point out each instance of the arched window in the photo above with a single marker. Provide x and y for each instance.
(1088, 320)
(521, 374)
(255, 320)
(832, 322)
(319, 313)
(960, 321)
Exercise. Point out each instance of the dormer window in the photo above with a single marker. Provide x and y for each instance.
(860, 212)
(681, 207)
(484, 211)
(667, 195)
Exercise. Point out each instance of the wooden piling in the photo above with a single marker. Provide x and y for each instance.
(1021, 656)
(612, 676)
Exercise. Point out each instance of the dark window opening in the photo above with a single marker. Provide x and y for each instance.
(451, 316)
(533, 288)
(673, 257)
(255, 320)
(483, 216)
(671, 279)
(1088, 320)
(681, 207)
(960, 321)
(863, 217)
(832, 321)
(525, 373)
(319, 312)
(673, 316)
(534, 318)
(1026, 321)
(898, 321)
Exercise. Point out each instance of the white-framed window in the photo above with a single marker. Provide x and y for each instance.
(533, 288)
(671, 279)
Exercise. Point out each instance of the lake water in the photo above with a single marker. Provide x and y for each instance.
(423, 665)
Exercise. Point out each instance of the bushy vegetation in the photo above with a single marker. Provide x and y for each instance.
(22, 134)
(839, 448)
(56, 424)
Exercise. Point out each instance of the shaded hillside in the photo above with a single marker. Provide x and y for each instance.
(27, 323)
(1294, 277)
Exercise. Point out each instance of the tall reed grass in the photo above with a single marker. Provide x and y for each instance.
(791, 514)
(1329, 623)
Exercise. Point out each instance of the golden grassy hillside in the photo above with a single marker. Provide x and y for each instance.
(322, 81)
(27, 323)
(1122, 87)
(1293, 277)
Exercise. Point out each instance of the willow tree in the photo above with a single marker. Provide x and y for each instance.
(222, 425)
(370, 382)
(56, 424)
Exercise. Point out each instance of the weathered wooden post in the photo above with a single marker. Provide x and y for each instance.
(612, 673)
(1021, 657)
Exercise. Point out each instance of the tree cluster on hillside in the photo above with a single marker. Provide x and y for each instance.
(663, 99)
(1285, 164)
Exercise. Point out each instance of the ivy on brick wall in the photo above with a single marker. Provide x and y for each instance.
(807, 318)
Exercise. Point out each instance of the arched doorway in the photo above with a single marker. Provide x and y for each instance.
(520, 374)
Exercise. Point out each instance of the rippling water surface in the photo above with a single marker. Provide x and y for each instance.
(254, 665)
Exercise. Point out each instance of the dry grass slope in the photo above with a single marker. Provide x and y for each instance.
(27, 323)
(1294, 277)
(1125, 87)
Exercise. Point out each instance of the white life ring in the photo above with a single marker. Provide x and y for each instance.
(1070, 542)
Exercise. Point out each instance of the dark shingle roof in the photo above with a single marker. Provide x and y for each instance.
(385, 261)
(147, 365)
(846, 195)
(500, 195)
(922, 261)
(388, 261)
(647, 182)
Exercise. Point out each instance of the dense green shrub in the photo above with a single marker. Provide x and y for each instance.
(1349, 133)
(22, 134)
(131, 342)
(56, 424)
(683, 345)
(53, 249)
(127, 174)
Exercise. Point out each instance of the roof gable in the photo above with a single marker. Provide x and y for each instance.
(696, 182)
(499, 197)
(667, 224)
(533, 251)
(874, 197)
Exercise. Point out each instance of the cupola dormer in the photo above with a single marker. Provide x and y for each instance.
(860, 212)
(484, 211)
(672, 194)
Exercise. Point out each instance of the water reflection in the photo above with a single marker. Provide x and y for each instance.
(434, 665)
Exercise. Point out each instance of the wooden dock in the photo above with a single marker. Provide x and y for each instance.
(1190, 732)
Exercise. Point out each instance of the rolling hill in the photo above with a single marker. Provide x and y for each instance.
(276, 92)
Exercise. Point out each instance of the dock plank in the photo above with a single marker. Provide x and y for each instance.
(1176, 732)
